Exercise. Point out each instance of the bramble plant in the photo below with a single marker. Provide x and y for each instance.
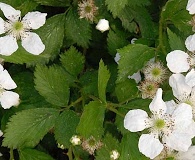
(97, 79)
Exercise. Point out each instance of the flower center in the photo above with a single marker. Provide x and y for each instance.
(159, 123)
(156, 72)
(18, 26)
(92, 142)
(1, 90)
(88, 9)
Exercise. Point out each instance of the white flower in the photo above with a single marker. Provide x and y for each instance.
(190, 43)
(191, 6)
(117, 58)
(1, 133)
(133, 40)
(155, 71)
(75, 140)
(14, 28)
(7, 98)
(114, 154)
(177, 61)
(103, 25)
(164, 127)
(183, 88)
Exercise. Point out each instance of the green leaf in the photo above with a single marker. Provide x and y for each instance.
(116, 6)
(65, 127)
(103, 77)
(29, 97)
(91, 122)
(116, 41)
(89, 82)
(175, 41)
(52, 36)
(128, 20)
(175, 11)
(110, 144)
(129, 147)
(139, 3)
(76, 29)
(33, 154)
(133, 58)
(126, 90)
(28, 127)
(143, 18)
(53, 84)
(56, 3)
(73, 61)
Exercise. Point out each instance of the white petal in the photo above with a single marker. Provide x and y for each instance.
(133, 40)
(150, 146)
(191, 6)
(190, 78)
(2, 26)
(179, 86)
(32, 43)
(1, 68)
(136, 76)
(190, 43)
(8, 45)
(171, 106)
(135, 120)
(34, 20)
(103, 25)
(1, 133)
(9, 99)
(178, 141)
(117, 58)
(9, 12)
(6, 81)
(190, 129)
(177, 61)
(158, 105)
(182, 116)
(188, 155)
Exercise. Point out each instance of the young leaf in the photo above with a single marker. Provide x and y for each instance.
(73, 61)
(133, 58)
(33, 154)
(103, 77)
(91, 122)
(53, 84)
(126, 90)
(77, 30)
(52, 35)
(175, 41)
(116, 6)
(65, 127)
(28, 127)
(129, 147)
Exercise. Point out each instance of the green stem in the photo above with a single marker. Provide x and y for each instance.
(75, 102)
(11, 154)
(161, 45)
(93, 97)
(109, 107)
(70, 157)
